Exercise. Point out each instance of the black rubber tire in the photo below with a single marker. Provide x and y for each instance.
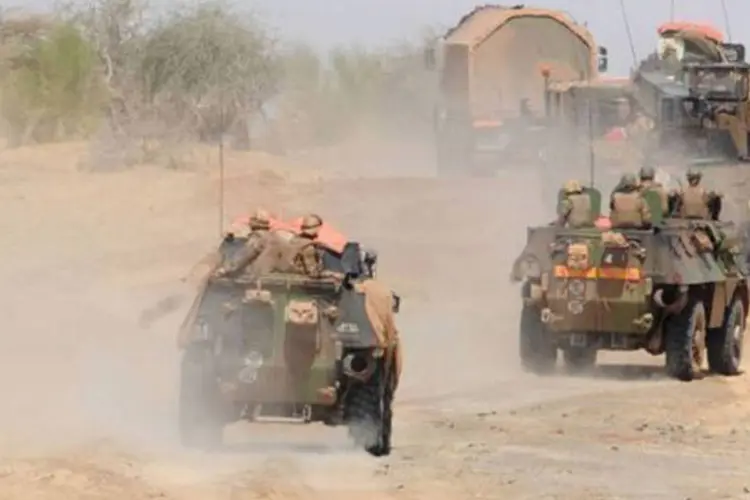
(724, 349)
(369, 414)
(201, 409)
(579, 359)
(678, 331)
(537, 352)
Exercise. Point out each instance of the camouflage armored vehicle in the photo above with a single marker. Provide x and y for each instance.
(678, 288)
(277, 344)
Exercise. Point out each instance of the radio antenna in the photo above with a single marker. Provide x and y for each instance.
(629, 33)
(592, 159)
(221, 165)
(726, 19)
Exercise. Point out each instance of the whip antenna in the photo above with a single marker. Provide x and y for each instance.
(629, 33)
(221, 165)
(726, 19)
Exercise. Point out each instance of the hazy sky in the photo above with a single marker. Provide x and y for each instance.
(327, 22)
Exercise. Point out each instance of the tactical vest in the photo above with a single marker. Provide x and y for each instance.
(580, 214)
(694, 204)
(627, 210)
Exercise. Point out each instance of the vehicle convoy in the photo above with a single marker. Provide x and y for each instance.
(679, 288)
(493, 67)
(275, 343)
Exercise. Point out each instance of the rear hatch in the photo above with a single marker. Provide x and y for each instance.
(280, 344)
(597, 286)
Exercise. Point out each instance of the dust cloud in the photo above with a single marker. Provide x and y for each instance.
(92, 293)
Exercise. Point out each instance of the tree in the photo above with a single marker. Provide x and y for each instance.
(209, 69)
(51, 86)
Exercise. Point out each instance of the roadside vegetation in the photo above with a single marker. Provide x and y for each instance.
(138, 84)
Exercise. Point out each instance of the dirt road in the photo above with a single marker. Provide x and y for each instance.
(88, 391)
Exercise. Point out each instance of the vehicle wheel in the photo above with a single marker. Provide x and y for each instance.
(201, 418)
(685, 342)
(370, 414)
(579, 359)
(724, 344)
(538, 354)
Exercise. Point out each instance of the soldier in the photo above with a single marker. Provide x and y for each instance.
(307, 259)
(693, 201)
(575, 208)
(257, 241)
(628, 208)
(647, 183)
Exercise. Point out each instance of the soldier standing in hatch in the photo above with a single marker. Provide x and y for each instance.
(628, 208)
(647, 183)
(575, 208)
(693, 200)
(308, 258)
(257, 241)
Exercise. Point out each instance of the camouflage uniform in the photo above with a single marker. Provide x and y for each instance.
(628, 208)
(575, 209)
(257, 242)
(647, 183)
(307, 259)
(694, 199)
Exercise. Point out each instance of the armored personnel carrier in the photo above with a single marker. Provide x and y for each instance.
(286, 346)
(679, 288)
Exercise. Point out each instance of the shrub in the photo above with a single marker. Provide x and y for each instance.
(52, 88)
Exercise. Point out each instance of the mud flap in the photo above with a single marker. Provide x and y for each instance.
(353, 327)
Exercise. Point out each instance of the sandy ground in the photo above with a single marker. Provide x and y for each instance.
(88, 391)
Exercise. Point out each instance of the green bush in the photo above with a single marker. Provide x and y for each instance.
(52, 88)
(196, 73)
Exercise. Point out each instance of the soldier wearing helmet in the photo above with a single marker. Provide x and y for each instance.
(257, 241)
(307, 259)
(628, 209)
(693, 200)
(647, 183)
(575, 208)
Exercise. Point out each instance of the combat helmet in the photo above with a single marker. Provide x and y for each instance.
(693, 175)
(260, 220)
(311, 225)
(572, 187)
(647, 173)
(628, 181)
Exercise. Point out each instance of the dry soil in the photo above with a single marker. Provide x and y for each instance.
(93, 285)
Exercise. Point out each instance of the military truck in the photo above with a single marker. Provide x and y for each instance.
(493, 67)
(695, 89)
(275, 344)
(678, 288)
